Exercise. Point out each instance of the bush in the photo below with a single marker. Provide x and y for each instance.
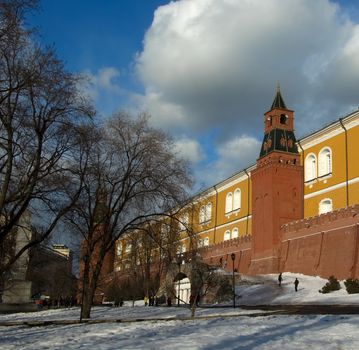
(352, 286)
(331, 286)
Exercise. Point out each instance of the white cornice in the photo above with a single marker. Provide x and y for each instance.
(330, 131)
(331, 188)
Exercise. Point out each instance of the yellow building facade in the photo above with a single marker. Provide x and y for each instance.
(331, 181)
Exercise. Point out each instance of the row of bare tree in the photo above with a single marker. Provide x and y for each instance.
(59, 163)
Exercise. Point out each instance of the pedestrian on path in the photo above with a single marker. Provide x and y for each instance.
(280, 279)
(145, 299)
(296, 282)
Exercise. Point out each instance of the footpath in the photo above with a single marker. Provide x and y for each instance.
(258, 311)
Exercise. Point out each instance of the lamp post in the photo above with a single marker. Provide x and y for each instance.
(233, 256)
(179, 262)
(85, 259)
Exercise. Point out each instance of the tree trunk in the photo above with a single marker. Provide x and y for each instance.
(87, 303)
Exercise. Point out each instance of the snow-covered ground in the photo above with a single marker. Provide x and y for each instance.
(232, 329)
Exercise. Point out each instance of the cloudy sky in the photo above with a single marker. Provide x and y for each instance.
(206, 70)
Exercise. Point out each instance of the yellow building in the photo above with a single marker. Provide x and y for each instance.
(331, 181)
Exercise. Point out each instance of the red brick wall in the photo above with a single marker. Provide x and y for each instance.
(323, 245)
(220, 254)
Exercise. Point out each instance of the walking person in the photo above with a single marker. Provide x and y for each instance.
(296, 282)
(280, 279)
(145, 299)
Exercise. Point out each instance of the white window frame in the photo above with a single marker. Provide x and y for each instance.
(184, 220)
(235, 232)
(325, 161)
(227, 235)
(202, 214)
(229, 202)
(128, 247)
(310, 167)
(208, 212)
(237, 198)
(119, 249)
(325, 206)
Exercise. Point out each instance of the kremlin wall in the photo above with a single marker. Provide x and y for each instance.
(295, 210)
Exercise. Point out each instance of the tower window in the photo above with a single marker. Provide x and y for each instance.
(283, 119)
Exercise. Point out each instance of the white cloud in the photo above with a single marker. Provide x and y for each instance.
(215, 63)
(189, 149)
(234, 155)
(106, 78)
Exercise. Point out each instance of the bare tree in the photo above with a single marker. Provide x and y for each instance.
(40, 109)
(133, 177)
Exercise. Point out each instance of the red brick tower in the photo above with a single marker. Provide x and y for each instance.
(277, 187)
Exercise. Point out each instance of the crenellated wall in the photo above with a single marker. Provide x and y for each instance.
(220, 254)
(323, 245)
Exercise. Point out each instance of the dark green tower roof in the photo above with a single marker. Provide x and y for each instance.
(278, 100)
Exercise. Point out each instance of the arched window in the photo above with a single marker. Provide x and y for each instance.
(184, 219)
(237, 199)
(325, 162)
(128, 247)
(283, 119)
(310, 167)
(325, 206)
(165, 230)
(202, 214)
(235, 232)
(119, 248)
(208, 211)
(181, 249)
(206, 242)
(229, 202)
(227, 235)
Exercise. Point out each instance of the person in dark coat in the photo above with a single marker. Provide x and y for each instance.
(169, 301)
(296, 282)
(280, 279)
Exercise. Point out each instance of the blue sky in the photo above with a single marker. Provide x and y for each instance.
(206, 70)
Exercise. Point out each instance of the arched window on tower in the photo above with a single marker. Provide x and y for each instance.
(229, 202)
(310, 167)
(283, 119)
(325, 206)
(227, 235)
(237, 199)
(325, 162)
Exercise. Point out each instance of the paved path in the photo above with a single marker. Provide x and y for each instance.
(261, 311)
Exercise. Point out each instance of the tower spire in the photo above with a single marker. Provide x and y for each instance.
(278, 101)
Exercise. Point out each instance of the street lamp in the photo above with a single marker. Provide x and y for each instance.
(233, 256)
(85, 259)
(179, 262)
